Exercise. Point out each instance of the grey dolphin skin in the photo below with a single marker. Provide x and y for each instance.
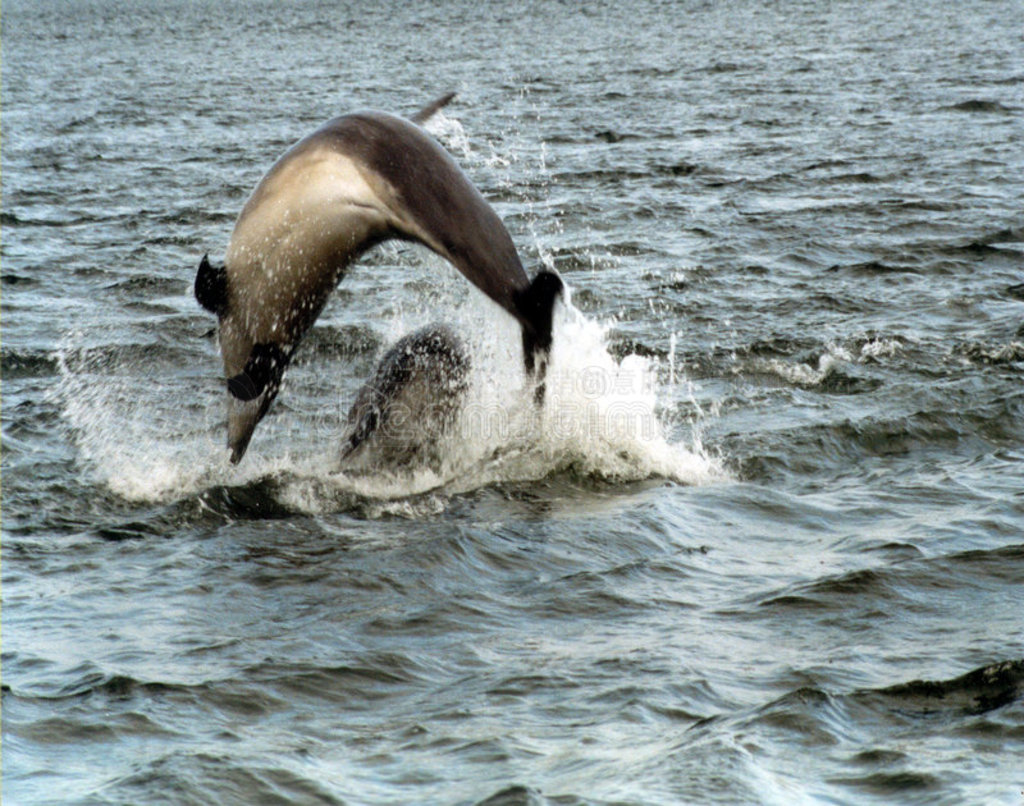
(360, 179)
(411, 402)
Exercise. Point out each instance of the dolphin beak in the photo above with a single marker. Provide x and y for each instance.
(243, 417)
(251, 391)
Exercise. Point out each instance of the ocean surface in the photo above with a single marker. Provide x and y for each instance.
(763, 542)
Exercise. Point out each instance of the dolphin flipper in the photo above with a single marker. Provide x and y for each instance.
(211, 286)
(536, 306)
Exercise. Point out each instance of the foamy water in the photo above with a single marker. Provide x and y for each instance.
(600, 417)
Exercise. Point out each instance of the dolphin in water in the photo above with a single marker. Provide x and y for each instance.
(359, 180)
(410, 404)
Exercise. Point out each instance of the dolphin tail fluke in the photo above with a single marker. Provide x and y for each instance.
(536, 305)
(427, 112)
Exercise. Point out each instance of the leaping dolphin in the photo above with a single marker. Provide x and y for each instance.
(360, 179)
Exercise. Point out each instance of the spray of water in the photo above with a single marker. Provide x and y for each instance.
(599, 419)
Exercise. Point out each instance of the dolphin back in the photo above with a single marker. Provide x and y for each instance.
(436, 204)
(432, 201)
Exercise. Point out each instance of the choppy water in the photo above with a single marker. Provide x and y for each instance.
(795, 238)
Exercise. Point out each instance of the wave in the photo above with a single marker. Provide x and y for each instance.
(16, 363)
(832, 593)
(836, 722)
(978, 105)
(10, 278)
(147, 285)
(991, 355)
(865, 593)
(63, 217)
(872, 268)
(519, 795)
(79, 362)
(831, 374)
(976, 692)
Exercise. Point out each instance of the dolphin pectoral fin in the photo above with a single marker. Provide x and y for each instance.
(427, 112)
(536, 306)
(243, 387)
(211, 286)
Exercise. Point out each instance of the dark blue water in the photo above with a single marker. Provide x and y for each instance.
(766, 543)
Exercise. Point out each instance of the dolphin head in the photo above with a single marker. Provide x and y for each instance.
(251, 391)
(254, 369)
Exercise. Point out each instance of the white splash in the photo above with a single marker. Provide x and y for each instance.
(802, 374)
(451, 134)
(880, 348)
(126, 434)
(598, 419)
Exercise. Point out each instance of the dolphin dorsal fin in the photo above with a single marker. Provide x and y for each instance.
(427, 112)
